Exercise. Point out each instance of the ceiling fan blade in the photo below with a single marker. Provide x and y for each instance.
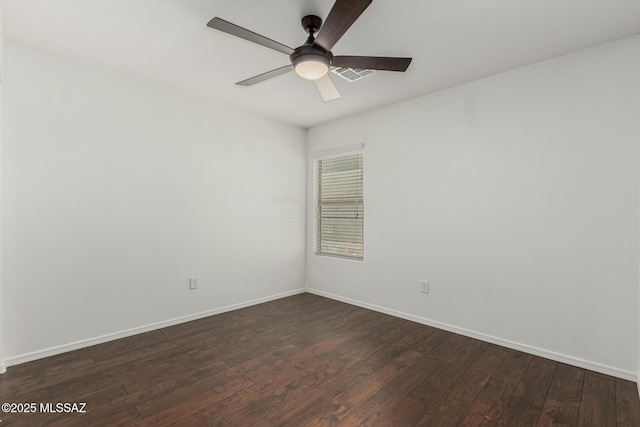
(266, 76)
(372, 62)
(234, 30)
(343, 14)
(326, 88)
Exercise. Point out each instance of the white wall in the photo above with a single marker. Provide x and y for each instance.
(3, 368)
(516, 196)
(115, 191)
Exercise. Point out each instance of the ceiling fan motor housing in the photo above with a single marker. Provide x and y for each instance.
(310, 60)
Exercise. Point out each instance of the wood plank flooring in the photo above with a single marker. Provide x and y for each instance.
(310, 361)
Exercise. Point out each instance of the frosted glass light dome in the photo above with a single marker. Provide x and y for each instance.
(311, 66)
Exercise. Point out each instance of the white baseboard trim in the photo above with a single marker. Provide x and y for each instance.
(3, 368)
(558, 357)
(28, 357)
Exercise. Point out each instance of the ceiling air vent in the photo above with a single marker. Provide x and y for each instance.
(351, 74)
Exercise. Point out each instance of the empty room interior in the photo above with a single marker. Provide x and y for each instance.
(320, 213)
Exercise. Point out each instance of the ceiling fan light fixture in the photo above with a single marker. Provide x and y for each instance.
(311, 66)
(311, 62)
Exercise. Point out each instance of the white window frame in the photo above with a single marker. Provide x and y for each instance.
(329, 154)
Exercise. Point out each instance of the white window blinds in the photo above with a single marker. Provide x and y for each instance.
(340, 206)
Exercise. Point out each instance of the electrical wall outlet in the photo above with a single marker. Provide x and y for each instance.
(424, 287)
(193, 282)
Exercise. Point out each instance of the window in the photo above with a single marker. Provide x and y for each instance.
(339, 206)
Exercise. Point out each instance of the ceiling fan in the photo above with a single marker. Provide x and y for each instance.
(313, 59)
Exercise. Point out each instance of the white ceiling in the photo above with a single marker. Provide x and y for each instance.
(451, 42)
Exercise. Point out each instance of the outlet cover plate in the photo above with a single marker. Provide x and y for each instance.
(424, 287)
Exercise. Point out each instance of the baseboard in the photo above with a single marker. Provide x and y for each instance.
(558, 357)
(28, 357)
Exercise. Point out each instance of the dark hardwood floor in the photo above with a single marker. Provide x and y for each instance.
(310, 361)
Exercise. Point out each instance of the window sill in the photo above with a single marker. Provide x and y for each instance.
(343, 257)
